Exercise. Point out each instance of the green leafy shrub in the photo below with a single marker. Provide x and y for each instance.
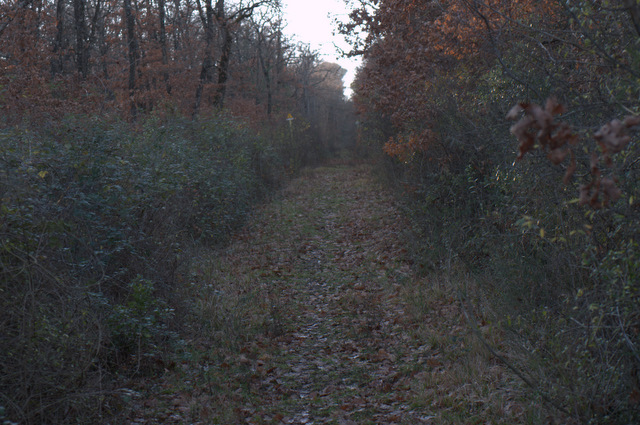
(138, 328)
(97, 219)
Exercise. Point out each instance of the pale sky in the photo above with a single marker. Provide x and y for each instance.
(311, 21)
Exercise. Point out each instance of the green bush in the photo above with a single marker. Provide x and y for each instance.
(138, 328)
(562, 279)
(97, 219)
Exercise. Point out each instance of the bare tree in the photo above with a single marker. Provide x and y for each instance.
(133, 54)
(217, 16)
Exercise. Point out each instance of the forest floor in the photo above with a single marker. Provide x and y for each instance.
(313, 315)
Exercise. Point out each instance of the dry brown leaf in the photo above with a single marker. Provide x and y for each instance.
(584, 194)
(570, 169)
(610, 190)
(515, 112)
(632, 120)
(612, 137)
(558, 155)
(554, 107)
(595, 160)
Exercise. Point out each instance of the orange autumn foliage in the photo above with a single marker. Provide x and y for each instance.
(135, 57)
(404, 148)
(411, 44)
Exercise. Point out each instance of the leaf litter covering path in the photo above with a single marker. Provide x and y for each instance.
(311, 317)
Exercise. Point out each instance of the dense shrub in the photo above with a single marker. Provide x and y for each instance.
(97, 219)
(562, 278)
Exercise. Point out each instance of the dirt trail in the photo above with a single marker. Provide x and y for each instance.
(337, 268)
(343, 353)
(312, 316)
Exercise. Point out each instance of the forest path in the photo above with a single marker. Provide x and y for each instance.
(312, 316)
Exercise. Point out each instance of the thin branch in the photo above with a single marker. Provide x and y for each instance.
(498, 53)
(633, 9)
(631, 345)
(531, 384)
(598, 47)
(20, 5)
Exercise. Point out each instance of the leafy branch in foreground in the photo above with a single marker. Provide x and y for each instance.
(538, 128)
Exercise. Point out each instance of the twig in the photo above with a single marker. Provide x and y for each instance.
(17, 408)
(532, 385)
(630, 343)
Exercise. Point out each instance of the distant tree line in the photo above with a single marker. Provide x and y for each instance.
(132, 57)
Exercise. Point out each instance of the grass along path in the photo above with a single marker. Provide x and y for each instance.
(312, 316)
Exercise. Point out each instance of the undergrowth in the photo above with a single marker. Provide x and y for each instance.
(98, 220)
(561, 279)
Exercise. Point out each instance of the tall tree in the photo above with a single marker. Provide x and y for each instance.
(59, 43)
(133, 55)
(163, 44)
(82, 47)
(269, 48)
(226, 22)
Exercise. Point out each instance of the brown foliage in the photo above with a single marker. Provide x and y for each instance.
(60, 57)
(411, 47)
(538, 128)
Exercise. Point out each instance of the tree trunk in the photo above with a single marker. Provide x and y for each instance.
(223, 67)
(206, 74)
(633, 9)
(58, 59)
(225, 24)
(103, 48)
(82, 48)
(266, 72)
(133, 55)
(163, 45)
